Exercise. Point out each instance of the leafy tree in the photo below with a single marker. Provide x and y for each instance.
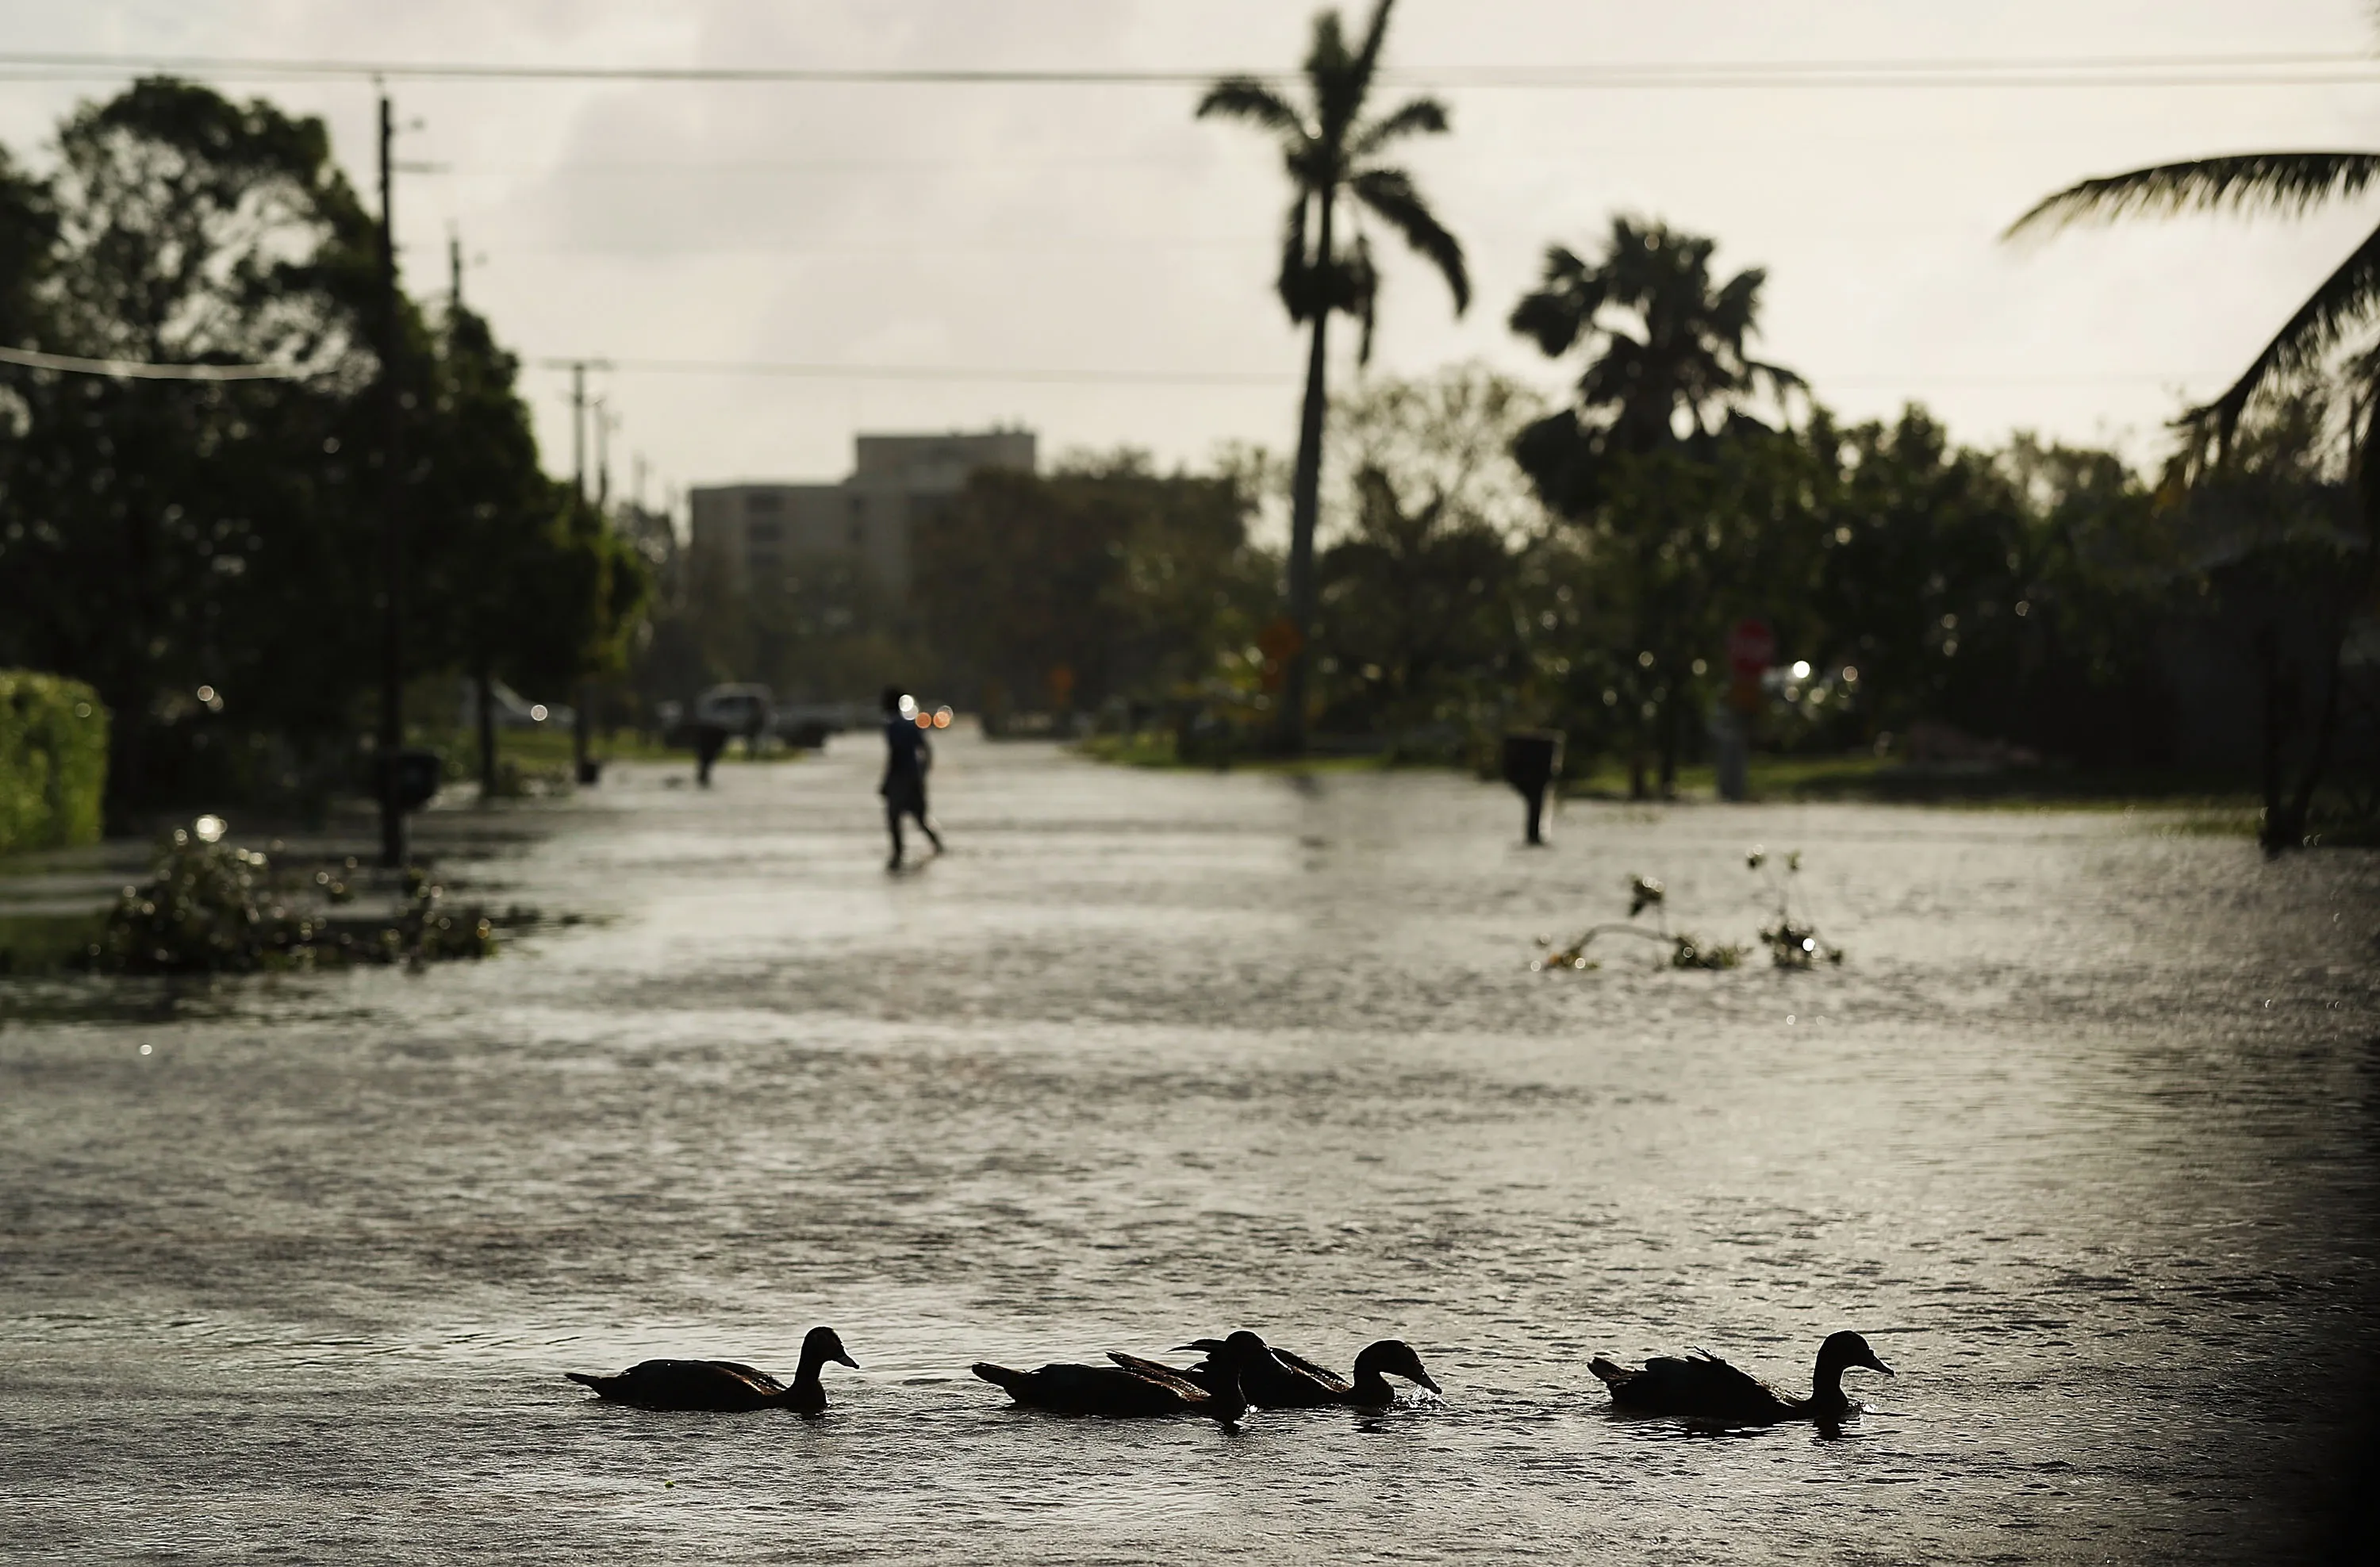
(508, 580)
(1130, 580)
(2282, 530)
(1432, 531)
(206, 554)
(1332, 150)
(166, 537)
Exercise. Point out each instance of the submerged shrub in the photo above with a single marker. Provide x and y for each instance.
(211, 907)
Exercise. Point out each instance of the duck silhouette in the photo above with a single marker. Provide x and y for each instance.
(1137, 1388)
(723, 1384)
(1704, 1386)
(1283, 1380)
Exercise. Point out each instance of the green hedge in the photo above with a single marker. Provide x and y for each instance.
(52, 761)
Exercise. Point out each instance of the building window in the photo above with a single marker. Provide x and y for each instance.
(763, 501)
(761, 532)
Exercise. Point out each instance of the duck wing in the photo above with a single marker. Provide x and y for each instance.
(1108, 1391)
(683, 1384)
(1322, 1374)
(1195, 1378)
(1699, 1386)
(757, 1378)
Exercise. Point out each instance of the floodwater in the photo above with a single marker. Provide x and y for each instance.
(2081, 1136)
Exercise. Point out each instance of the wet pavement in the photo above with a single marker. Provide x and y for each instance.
(2081, 1136)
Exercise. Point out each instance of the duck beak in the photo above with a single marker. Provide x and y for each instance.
(846, 1360)
(1875, 1363)
(1423, 1378)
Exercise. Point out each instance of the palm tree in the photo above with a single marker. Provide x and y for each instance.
(1332, 150)
(1667, 371)
(2286, 183)
(1680, 347)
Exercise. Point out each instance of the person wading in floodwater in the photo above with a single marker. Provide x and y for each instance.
(906, 758)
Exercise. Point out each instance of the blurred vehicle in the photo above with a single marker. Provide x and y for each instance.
(740, 708)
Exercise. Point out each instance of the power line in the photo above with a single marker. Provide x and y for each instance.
(2232, 69)
(792, 369)
(795, 370)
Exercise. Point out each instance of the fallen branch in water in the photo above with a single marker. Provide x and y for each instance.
(1686, 951)
(1792, 941)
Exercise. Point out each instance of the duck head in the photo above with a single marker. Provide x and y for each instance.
(822, 1345)
(1844, 1349)
(1394, 1358)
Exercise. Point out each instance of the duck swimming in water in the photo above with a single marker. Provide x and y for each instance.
(1133, 1388)
(724, 1384)
(1287, 1381)
(1704, 1386)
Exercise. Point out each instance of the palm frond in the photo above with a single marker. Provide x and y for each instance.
(1245, 98)
(1561, 309)
(1297, 284)
(2281, 182)
(1391, 193)
(2348, 296)
(1422, 116)
(1368, 58)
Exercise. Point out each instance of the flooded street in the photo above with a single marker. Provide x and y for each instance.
(2081, 1136)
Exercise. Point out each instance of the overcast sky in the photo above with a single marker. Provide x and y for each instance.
(1102, 229)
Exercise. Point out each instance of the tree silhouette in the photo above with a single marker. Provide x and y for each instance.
(1678, 349)
(1668, 376)
(1331, 149)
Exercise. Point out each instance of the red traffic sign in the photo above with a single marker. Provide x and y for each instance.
(1751, 647)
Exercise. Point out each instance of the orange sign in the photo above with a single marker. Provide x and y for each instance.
(1280, 641)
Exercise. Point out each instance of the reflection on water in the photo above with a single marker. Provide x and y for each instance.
(2081, 1138)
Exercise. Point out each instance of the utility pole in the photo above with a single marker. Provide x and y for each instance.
(578, 426)
(392, 848)
(604, 424)
(582, 720)
(455, 272)
(579, 402)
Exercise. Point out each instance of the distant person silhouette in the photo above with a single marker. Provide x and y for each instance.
(906, 758)
(710, 739)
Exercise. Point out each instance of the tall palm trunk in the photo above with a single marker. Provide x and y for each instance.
(1305, 505)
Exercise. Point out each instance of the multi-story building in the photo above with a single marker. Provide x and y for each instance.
(751, 537)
